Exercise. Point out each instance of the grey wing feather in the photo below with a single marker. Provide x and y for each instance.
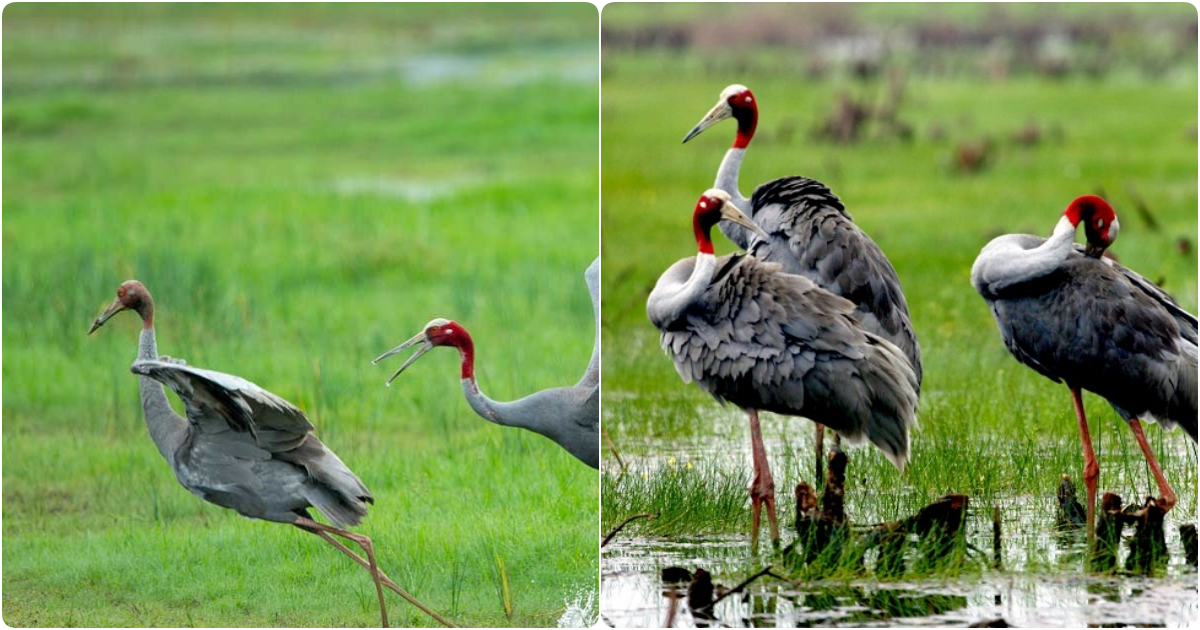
(811, 234)
(767, 340)
(1101, 327)
(249, 445)
(209, 395)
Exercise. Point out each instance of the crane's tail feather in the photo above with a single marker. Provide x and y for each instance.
(893, 388)
(340, 512)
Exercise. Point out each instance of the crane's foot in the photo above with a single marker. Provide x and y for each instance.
(762, 494)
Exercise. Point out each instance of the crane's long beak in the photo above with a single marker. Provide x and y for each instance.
(729, 212)
(715, 115)
(113, 309)
(420, 337)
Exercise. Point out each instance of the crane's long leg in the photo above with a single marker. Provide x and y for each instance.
(762, 489)
(364, 542)
(324, 530)
(1091, 470)
(1167, 500)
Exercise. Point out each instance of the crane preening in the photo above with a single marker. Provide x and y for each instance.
(246, 449)
(753, 335)
(1082, 319)
(570, 416)
(809, 233)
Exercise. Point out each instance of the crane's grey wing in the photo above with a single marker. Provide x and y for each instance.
(1185, 320)
(1096, 327)
(592, 278)
(215, 397)
(240, 422)
(811, 234)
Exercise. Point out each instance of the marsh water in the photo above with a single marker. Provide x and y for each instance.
(1042, 581)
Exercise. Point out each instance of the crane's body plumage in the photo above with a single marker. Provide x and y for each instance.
(1075, 317)
(1095, 325)
(249, 450)
(767, 340)
(811, 234)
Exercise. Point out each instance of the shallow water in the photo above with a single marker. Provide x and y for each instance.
(1042, 581)
(634, 596)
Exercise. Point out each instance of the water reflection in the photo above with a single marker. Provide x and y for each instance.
(635, 595)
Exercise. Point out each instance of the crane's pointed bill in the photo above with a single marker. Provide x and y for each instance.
(418, 338)
(729, 212)
(714, 116)
(113, 309)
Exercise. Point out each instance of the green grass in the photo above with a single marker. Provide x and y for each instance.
(298, 198)
(989, 427)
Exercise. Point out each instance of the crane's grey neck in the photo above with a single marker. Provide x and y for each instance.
(1005, 263)
(167, 429)
(668, 301)
(502, 413)
(727, 180)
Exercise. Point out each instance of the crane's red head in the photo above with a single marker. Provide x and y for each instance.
(736, 102)
(132, 296)
(713, 207)
(438, 332)
(445, 332)
(1099, 220)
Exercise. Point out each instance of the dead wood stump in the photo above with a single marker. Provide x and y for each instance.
(1188, 534)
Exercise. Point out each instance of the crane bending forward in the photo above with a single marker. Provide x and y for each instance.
(246, 449)
(570, 416)
(764, 340)
(1076, 317)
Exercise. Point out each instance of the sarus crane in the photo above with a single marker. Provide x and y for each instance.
(809, 233)
(1079, 318)
(246, 449)
(570, 416)
(750, 334)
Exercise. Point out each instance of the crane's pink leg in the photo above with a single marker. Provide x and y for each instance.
(1091, 470)
(1167, 500)
(323, 531)
(364, 542)
(762, 489)
(387, 581)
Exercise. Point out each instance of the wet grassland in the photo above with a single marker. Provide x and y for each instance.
(1110, 117)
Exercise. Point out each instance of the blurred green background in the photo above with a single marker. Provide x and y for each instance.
(940, 126)
(301, 187)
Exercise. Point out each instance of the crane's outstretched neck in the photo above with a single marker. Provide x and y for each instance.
(167, 428)
(1006, 261)
(731, 166)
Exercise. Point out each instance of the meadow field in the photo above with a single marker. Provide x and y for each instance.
(301, 188)
(1117, 118)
